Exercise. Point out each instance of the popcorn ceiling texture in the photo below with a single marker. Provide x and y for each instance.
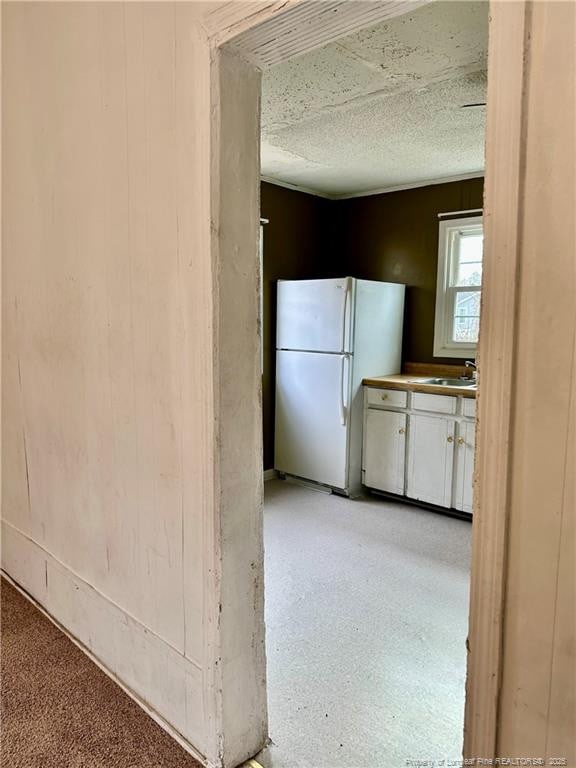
(381, 107)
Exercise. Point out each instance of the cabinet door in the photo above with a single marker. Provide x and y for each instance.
(385, 450)
(430, 459)
(464, 466)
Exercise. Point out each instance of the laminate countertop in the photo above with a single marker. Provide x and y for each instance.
(409, 382)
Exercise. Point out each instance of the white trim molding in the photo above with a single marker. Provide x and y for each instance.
(294, 187)
(459, 214)
(377, 190)
(283, 30)
(410, 185)
(498, 328)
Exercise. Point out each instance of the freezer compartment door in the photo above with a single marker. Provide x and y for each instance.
(312, 416)
(315, 315)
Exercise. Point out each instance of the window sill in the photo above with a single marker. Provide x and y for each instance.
(460, 352)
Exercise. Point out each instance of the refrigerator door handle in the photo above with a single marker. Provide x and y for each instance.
(344, 308)
(342, 406)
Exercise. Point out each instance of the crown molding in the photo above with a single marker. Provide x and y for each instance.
(378, 190)
(295, 187)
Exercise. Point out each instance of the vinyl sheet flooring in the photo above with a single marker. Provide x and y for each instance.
(366, 613)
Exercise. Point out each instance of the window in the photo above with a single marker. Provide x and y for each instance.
(459, 288)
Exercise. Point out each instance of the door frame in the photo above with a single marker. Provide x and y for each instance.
(243, 41)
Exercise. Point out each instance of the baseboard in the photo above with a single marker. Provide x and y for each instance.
(270, 474)
(164, 683)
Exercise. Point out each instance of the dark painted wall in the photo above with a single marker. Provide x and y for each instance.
(394, 237)
(294, 248)
(391, 237)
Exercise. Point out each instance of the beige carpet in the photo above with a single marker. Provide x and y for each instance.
(59, 710)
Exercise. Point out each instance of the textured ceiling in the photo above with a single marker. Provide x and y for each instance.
(381, 108)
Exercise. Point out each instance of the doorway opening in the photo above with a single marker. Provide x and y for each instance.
(274, 36)
(372, 151)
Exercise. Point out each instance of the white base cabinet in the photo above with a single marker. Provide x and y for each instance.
(430, 459)
(385, 444)
(420, 446)
(464, 466)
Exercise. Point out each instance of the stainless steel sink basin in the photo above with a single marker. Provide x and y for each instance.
(449, 382)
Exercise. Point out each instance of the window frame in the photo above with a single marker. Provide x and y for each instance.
(446, 293)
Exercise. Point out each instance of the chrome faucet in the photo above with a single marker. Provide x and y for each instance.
(472, 364)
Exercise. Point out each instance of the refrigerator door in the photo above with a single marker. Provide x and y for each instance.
(312, 416)
(315, 315)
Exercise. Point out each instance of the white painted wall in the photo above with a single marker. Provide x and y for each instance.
(111, 396)
(131, 501)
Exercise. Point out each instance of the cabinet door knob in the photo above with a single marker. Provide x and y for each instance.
(384, 396)
(401, 430)
(461, 441)
(450, 439)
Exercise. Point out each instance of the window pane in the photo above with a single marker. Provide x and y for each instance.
(466, 317)
(469, 271)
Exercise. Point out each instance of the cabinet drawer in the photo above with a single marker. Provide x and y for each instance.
(468, 407)
(434, 403)
(394, 398)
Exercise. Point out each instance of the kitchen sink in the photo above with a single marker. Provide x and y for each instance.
(448, 382)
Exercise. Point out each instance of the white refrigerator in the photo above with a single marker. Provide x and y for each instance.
(330, 334)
